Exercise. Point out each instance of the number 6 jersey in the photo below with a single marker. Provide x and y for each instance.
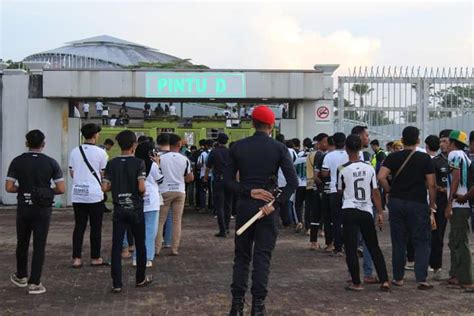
(356, 180)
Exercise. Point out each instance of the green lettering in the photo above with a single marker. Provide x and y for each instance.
(179, 85)
(170, 86)
(221, 85)
(189, 82)
(201, 86)
(162, 83)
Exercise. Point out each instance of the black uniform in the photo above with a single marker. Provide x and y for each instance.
(257, 159)
(34, 172)
(325, 203)
(440, 163)
(218, 160)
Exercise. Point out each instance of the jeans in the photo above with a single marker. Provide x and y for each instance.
(168, 229)
(459, 246)
(151, 229)
(367, 263)
(354, 221)
(410, 219)
(222, 205)
(31, 219)
(136, 220)
(94, 212)
(254, 245)
(336, 218)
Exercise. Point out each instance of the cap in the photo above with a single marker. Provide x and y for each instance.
(460, 136)
(262, 113)
(89, 130)
(222, 138)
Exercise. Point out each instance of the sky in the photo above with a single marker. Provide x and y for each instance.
(265, 34)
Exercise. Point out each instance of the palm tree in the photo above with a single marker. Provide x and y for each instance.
(361, 90)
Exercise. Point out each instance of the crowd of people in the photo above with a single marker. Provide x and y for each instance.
(335, 191)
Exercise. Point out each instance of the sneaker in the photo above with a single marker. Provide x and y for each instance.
(437, 275)
(148, 280)
(149, 264)
(20, 282)
(36, 289)
(410, 265)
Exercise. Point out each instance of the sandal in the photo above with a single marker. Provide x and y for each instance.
(103, 263)
(385, 287)
(116, 290)
(424, 286)
(352, 287)
(371, 280)
(397, 283)
(76, 265)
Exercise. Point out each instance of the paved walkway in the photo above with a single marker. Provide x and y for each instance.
(302, 282)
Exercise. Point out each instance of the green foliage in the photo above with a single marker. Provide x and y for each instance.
(361, 90)
(15, 64)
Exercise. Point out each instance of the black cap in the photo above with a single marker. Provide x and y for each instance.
(89, 130)
(222, 138)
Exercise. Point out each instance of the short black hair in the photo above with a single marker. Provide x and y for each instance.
(290, 144)
(174, 139)
(358, 129)
(150, 139)
(260, 125)
(35, 139)
(126, 139)
(89, 130)
(210, 143)
(297, 142)
(389, 144)
(280, 138)
(163, 139)
(353, 143)
(445, 133)
(320, 137)
(142, 139)
(193, 147)
(339, 140)
(331, 140)
(410, 135)
(202, 142)
(307, 142)
(432, 142)
(109, 141)
(375, 142)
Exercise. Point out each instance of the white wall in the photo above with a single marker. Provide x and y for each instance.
(21, 114)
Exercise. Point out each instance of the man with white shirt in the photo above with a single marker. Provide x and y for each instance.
(331, 162)
(99, 107)
(201, 165)
(86, 165)
(85, 109)
(176, 169)
(172, 109)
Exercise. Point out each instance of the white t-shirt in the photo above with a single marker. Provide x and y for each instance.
(85, 187)
(300, 166)
(457, 159)
(174, 166)
(202, 161)
(76, 112)
(281, 176)
(85, 107)
(112, 122)
(151, 199)
(105, 112)
(332, 161)
(356, 180)
(99, 106)
(172, 110)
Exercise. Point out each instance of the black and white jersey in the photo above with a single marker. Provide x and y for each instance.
(356, 180)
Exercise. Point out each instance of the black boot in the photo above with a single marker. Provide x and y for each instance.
(258, 307)
(237, 308)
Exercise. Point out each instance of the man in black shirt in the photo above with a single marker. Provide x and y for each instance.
(412, 172)
(441, 166)
(125, 177)
(257, 159)
(30, 176)
(217, 161)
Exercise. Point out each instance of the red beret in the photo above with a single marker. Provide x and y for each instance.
(262, 113)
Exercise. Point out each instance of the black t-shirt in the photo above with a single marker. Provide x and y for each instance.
(123, 172)
(410, 184)
(218, 160)
(441, 166)
(318, 163)
(33, 170)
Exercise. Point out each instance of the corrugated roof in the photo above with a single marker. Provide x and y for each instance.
(108, 49)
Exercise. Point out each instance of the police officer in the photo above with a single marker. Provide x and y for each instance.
(30, 176)
(256, 159)
(222, 197)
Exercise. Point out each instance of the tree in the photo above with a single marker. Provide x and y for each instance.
(361, 90)
(349, 110)
(15, 64)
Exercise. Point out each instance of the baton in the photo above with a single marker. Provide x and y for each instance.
(251, 221)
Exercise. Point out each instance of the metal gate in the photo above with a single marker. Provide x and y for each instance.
(389, 99)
